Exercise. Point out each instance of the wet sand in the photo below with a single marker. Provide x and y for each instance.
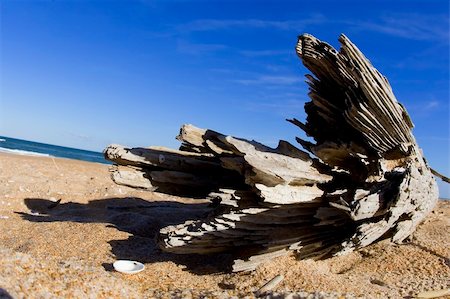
(66, 249)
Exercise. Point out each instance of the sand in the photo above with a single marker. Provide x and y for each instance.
(50, 250)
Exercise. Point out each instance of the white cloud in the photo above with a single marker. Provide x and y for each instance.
(425, 109)
(431, 105)
(263, 53)
(280, 107)
(410, 26)
(220, 24)
(80, 136)
(186, 47)
(285, 105)
(271, 80)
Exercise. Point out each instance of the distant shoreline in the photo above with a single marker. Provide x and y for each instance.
(12, 154)
(32, 148)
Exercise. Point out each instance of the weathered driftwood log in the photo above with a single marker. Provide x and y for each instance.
(366, 179)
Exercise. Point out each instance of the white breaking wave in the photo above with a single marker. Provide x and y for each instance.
(1, 139)
(20, 152)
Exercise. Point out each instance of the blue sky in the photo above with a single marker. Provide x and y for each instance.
(88, 73)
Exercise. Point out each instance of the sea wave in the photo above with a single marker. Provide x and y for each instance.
(21, 152)
(1, 139)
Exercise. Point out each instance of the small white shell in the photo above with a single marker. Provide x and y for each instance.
(128, 267)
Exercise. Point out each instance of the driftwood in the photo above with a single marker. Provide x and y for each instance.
(363, 179)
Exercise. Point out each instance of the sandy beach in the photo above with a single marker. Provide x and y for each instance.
(66, 249)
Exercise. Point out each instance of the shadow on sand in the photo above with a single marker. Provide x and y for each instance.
(141, 218)
(4, 294)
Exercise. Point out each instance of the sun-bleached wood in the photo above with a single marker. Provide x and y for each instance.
(362, 178)
(131, 177)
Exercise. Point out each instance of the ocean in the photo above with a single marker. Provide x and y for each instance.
(31, 148)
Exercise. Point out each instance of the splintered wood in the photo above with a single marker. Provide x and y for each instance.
(362, 180)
